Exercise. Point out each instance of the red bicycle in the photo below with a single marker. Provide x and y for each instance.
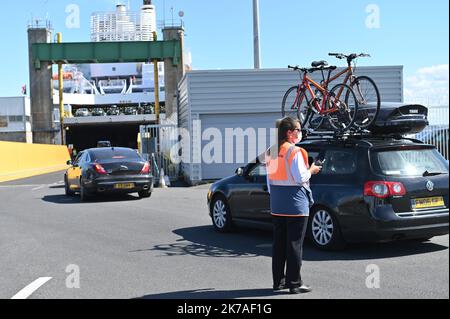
(338, 106)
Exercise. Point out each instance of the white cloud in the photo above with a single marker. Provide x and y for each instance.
(428, 86)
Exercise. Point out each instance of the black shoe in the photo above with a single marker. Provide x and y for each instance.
(300, 290)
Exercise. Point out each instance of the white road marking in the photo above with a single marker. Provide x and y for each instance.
(18, 186)
(31, 288)
(39, 187)
(35, 186)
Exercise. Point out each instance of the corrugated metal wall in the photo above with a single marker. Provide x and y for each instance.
(250, 99)
(241, 91)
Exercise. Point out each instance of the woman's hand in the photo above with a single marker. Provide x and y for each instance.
(314, 169)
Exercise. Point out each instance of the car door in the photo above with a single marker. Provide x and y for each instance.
(74, 173)
(338, 185)
(258, 200)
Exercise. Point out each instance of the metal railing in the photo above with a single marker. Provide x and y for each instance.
(157, 142)
(437, 132)
(436, 135)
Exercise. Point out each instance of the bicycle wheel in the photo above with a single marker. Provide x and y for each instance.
(313, 119)
(292, 107)
(369, 101)
(343, 101)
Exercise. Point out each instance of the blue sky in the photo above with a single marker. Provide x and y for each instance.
(219, 34)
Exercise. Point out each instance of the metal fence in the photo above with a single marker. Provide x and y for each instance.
(437, 132)
(156, 144)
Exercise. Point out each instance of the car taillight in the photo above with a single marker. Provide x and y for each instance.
(383, 189)
(99, 169)
(146, 168)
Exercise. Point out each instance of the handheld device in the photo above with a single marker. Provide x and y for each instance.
(319, 162)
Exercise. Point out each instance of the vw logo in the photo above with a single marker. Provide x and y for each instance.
(430, 186)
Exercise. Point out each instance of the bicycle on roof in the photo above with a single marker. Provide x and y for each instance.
(366, 90)
(338, 106)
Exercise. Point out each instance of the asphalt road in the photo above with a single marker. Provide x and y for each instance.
(165, 247)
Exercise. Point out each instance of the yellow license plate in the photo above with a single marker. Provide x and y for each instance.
(124, 186)
(428, 202)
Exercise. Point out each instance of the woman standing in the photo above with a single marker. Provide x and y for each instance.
(290, 199)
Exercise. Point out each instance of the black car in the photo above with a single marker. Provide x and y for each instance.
(108, 170)
(370, 189)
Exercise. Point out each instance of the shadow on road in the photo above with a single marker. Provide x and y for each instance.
(65, 200)
(203, 241)
(214, 294)
(57, 186)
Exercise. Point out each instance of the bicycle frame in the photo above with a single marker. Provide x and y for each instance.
(348, 71)
(306, 86)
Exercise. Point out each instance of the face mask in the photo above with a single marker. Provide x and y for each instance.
(299, 139)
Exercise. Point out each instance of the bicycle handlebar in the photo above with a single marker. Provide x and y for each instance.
(350, 56)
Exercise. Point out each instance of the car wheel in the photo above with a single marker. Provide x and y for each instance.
(69, 192)
(84, 196)
(221, 215)
(324, 230)
(145, 194)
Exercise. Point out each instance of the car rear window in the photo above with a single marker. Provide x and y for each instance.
(414, 162)
(115, 154)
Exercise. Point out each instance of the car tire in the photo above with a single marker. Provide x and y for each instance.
(324, 230)
(145, 194)
(221, 215)
(68, 191)
(84, 195)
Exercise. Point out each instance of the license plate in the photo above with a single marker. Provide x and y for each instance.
(428, 202)
(124, 186)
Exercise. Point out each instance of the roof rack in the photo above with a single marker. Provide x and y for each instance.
(352, 134)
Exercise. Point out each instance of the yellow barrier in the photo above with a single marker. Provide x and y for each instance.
(21, 160)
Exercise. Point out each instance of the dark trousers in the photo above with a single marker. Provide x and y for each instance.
(289, 234)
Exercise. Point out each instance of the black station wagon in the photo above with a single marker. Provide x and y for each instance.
(371, 188)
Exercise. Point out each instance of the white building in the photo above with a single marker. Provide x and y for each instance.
(15, 119)
(122, 84)
(216, 106)
(124, 25)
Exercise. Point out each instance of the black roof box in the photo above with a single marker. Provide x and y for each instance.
(400, 118)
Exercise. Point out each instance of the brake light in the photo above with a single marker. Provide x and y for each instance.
(99, 169)
(383, 189)
(146, 168)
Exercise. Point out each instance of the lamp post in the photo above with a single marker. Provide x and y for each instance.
(61, 95)
(256, 49)
(156, 80)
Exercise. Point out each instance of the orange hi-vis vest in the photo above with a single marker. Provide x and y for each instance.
(279, 169)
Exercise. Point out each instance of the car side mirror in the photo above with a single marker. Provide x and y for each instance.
(240, 171)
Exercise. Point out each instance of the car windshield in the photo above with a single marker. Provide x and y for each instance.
(417, 162)
(112, 154)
